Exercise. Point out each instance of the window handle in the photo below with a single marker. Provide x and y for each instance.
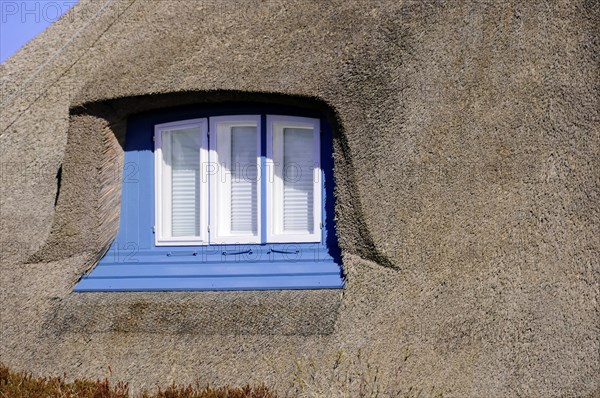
(271, 250)
(169, 254)
(249, 251)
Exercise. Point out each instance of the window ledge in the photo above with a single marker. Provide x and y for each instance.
(181, 269)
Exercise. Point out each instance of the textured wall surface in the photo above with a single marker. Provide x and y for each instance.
(467, 164)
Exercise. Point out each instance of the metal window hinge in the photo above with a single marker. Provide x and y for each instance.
(194, 253)
(208, 228)
(154, 229)
(225, 253)
(271, 250)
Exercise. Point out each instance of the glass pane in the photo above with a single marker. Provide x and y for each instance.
(244, 180)
(185, 182)
(298, 180)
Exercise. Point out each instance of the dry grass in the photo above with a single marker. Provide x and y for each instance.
(22, 385)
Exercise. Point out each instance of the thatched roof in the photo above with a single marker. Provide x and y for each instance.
(466, 164)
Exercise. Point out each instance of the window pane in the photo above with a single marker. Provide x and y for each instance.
(243, 180)
(298, 180)
(235, 189)
(185, 182)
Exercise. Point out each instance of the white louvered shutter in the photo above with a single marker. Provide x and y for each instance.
(298, 188)
(294, 186)
(185, 183)
(235, 189)
(244, 204)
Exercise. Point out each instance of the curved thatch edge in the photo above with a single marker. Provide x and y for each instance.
(88, 204)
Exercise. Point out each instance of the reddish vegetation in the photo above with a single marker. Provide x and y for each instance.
(22, 385)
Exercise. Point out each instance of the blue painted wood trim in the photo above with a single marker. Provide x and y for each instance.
(201, 270)
(130, 255)
(214, 283)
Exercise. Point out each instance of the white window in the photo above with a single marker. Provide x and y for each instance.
(235, 179)
(258, 193)
(181, 194)
(294, 189)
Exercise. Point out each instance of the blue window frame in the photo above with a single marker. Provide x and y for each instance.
(138, 260)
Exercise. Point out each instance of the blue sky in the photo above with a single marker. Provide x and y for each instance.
(22, 20)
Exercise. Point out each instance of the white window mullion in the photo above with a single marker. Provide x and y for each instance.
(294, 179)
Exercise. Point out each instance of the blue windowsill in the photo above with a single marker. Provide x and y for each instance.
(207, 268)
